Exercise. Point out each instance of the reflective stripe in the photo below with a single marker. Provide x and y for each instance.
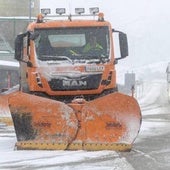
(73, 52)
(89, 47)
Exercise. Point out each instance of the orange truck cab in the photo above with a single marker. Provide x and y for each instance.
(57, 64)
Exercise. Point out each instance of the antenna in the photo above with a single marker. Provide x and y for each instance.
(69, 7)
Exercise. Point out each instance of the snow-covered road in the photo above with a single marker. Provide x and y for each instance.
(58, 160)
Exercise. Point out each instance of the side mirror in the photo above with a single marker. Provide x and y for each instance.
(34, 35)
(19, 43)
(123, 44)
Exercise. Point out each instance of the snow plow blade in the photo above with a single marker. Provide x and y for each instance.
(111, 122)
(5, 114)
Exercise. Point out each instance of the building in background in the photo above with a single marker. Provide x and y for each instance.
(10, 8)
(14, 17)
(129, 84)
(130, 80)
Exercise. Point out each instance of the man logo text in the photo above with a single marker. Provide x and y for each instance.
(72, 83)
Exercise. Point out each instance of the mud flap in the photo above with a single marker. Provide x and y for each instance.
(41, 123)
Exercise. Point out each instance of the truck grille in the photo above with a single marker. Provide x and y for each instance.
(88, 82)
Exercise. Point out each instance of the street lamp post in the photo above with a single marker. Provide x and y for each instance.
(31, 5)
(30, 10)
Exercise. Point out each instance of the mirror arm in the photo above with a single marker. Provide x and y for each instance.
(113, 30)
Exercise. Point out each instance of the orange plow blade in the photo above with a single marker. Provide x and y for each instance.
(5, 115)
(111, 122)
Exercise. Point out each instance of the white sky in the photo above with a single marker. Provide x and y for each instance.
(112, 8)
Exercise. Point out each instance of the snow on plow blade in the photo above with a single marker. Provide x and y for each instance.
(5, 115)
(111, 122)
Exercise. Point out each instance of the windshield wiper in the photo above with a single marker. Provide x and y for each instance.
(64, 58)
(84, 58)
(49, 57)
(97, 59)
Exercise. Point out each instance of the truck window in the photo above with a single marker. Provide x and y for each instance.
(67, 40)
(70, 42)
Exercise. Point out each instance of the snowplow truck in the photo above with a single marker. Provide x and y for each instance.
(68, 97)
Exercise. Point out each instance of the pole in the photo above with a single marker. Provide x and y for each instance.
(30, 10)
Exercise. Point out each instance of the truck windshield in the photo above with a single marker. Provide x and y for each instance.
(75, 44)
